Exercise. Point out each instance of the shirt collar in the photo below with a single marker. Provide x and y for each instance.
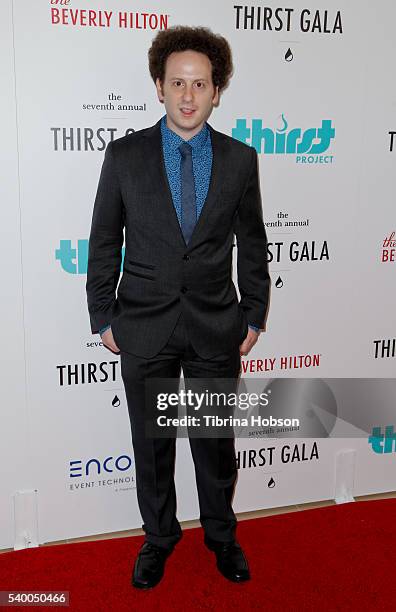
(172, 140)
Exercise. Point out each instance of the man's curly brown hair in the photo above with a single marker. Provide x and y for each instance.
(186, 38)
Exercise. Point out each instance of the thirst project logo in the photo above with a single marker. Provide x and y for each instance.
(308, 145)
(383, 441)
(73, 257)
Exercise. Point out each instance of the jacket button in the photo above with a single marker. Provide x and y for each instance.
(184, 289)
(186, 257)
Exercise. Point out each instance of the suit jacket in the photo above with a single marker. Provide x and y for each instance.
(161, 275)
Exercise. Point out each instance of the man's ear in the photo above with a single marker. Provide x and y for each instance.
(216, 97)
(158, 85)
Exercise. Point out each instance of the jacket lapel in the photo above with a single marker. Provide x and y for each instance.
(159, 178)
(219, 148)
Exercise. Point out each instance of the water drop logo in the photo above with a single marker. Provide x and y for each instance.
(289, 55)
(116, 401)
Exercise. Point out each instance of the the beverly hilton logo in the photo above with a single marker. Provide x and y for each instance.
(388, 251)
(68, 16)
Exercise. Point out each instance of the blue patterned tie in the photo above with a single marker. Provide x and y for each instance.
(188, 203)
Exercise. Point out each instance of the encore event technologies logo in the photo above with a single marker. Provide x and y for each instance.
(308, 145)
(111, 471)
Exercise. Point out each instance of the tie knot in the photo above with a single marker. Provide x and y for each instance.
(185, 149)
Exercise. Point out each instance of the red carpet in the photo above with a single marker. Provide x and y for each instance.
(335, 558)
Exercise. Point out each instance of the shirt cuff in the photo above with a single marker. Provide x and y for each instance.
(256, 329)
(104, 329)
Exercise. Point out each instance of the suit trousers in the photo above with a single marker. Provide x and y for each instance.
(214, 458)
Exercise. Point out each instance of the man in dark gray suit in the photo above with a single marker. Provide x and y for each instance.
(181, 190)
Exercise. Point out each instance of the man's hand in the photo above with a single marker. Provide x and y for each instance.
(108, 340)
(249, 342)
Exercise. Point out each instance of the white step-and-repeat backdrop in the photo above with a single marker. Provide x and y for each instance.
(314, 92)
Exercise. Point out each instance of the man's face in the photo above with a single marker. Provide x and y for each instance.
(187, 92)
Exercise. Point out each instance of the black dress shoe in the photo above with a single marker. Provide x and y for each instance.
(149, 565)
(231, 561)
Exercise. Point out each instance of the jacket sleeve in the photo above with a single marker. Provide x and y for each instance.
(252, 258)
(105, 245)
